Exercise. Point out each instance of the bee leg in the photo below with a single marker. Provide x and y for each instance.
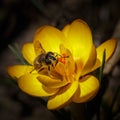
(49, 70)
(56, 63)
(32, 70)
(42, 68)
(52, 65)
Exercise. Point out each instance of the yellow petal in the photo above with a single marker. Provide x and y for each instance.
(65, 66)
(31, 85)
(65, 30)
(90, 62)
(79, 39)
(85, 66)
(18, 70)
(60, 68)
(51, 82)
(88, 87)
(29, 52)
(109, 46)
(63, 96)
(50, 38)
(69, 61)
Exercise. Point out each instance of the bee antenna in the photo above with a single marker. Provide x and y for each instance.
(32, 70)
(65, 56)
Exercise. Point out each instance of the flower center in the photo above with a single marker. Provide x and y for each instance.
(48, 61)
(62, 59)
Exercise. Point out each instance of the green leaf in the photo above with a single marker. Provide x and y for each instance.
(16, 51)
(102, 67)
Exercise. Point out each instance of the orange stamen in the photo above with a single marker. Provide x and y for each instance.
(62, 59)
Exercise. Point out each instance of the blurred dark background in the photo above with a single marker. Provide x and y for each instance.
(18, 21)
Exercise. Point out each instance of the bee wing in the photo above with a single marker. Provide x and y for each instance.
(38, 48)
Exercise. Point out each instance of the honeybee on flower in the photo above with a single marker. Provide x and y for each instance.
(72, 55)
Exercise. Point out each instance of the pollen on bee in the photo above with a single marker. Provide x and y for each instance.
(63, 58)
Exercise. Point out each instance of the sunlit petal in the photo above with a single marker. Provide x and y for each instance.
(90, 62)
(52, 82)
(29, 52)
(78, 34)
(18, 70)
(50, 38)
(85, 66)
(66, 64)
(60, 68)
(62, 96)
(109, 46)
(88, 87)
(65, 30)
(31, 85)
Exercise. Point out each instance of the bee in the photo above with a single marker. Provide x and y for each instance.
(48, 59)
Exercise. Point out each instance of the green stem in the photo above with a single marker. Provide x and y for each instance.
(100, 80)
(102, 67)
(17, 53)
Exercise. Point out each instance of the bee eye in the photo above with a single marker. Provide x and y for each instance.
(51, 58)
